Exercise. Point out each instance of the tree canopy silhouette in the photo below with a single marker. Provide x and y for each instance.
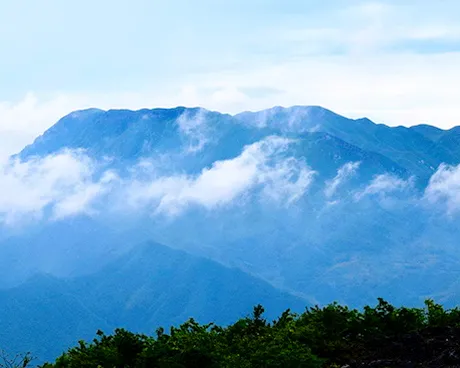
(330, 336)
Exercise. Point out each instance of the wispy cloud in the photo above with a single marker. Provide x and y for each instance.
(287, 180)
(413, 89)
(384, 184)
(62, 183)
(21, 121)
(331, 54)
(343, 174)
(444, 188)
(70, 183)
(294, 118)
(193, 126)
(80, 201)
(372, 27)
(258, 166)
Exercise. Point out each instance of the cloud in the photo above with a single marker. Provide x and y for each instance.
(82, 197)
(384, 184)
(413, 89)
(193, 126)
(292, 119)
(287, 181)
(370, 27)
(22, 121)
(63, 183)
(258, 166)
(260, 91)
(70, 183)
(332, 56)
(343, 174)
(444, 188)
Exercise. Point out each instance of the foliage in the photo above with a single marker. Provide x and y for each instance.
(17, 361)
(331, 336)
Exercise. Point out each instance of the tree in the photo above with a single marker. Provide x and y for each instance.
(17, 361)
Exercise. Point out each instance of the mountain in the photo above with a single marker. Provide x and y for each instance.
(130, 135)
(309, 202)
(408, 147)
(133, 134)
(148, 287)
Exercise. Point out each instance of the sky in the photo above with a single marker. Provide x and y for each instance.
(395, 62)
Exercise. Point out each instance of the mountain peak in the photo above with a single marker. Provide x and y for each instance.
(312, 109)
(78, 115)
(128, 132)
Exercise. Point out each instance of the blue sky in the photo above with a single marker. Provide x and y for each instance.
(396, 62)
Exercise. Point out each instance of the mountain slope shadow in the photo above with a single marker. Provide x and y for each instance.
(149, 287)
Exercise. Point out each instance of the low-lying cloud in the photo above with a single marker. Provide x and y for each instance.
(71, 183)
(80, 201)
(258, 166)
(444, 188)
(194, 128)
(343, 174)
(384, 184)
(56, 182)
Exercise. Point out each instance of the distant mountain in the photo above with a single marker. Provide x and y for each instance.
(148, 287)
(127, 134)
(134, 134)
(63, 248)
(310, 202)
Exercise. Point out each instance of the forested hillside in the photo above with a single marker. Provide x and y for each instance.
(333, 336)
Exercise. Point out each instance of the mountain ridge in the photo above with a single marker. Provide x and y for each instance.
(160, 129)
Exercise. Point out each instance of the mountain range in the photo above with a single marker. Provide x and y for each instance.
(145, 218)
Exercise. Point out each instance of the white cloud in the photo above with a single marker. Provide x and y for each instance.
(384, 184)
(287, 181)
(294, 121)
(225, 181)
(444, 187)
(70, 183)
(357, 59)
(412, 89)
(343, 174)
(62, 183)
(82, 197)
(22, 121)
(193, 126)
(369, 28)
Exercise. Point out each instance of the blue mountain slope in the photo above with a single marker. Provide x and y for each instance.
(132, 134)
(122, 133)
(326, 153)
(411, 149)
(80, 245)
(129, 135)
(450, 140)
(430, 132)
(321, 246)
(149, 287)
(63, 248)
